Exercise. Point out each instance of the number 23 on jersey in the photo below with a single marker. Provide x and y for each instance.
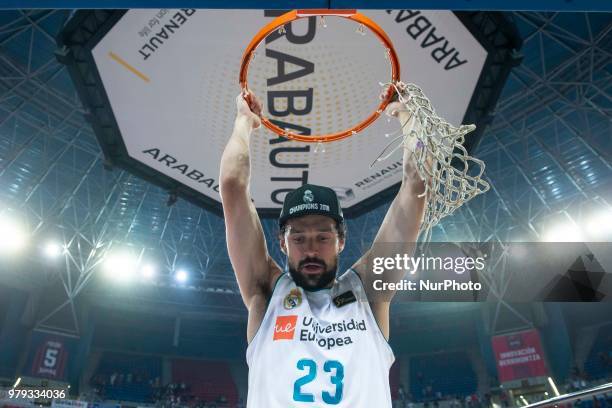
(331, 396)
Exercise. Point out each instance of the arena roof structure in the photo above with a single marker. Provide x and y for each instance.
(157, 99)
(547, 146)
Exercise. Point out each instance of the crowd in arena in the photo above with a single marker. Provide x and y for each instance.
(444, 380)
(579, 380)
(179, 395)
(172, 395)
(424, 390)
(434, 399)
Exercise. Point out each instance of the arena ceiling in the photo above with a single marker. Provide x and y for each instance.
(548, 150)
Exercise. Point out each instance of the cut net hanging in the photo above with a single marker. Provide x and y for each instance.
(452, 177)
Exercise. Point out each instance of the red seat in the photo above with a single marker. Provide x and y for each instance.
(206, 380)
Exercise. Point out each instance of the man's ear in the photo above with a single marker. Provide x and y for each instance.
(283, 243)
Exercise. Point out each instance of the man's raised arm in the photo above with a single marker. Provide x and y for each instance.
(397, 234)
(246, 243)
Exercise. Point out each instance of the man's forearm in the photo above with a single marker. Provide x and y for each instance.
(236, 161)
(411, 180)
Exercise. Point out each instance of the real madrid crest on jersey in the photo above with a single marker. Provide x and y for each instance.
(293, 299)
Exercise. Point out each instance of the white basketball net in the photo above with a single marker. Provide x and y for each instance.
(452, 177)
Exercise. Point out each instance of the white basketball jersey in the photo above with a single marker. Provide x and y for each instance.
(319, 349)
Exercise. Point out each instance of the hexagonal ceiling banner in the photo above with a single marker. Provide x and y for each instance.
(160, 86)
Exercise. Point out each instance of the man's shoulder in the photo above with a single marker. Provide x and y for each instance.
(350, 272)
(350, 279)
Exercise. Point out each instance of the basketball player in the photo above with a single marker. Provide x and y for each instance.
(316, 338)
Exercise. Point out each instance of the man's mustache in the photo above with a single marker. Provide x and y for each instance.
(311, 260)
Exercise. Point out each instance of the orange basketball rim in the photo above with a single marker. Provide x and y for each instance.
(353, 15)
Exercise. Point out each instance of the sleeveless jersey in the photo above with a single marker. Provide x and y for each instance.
(319, 349)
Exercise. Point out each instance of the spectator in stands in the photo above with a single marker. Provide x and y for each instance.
(503, 397)
(401, 394)
(487, 399)
(475, 400)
